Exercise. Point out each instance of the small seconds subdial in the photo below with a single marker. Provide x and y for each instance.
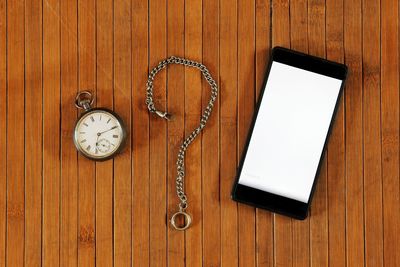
(99, 134)
(103, 145)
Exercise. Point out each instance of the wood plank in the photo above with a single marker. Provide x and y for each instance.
(69, 163)
(228, 130)
(246, 99)
(299, 42)
(210, 141)
(51, 133)
(283, 248)
(175, 128)
(264, 219)
(86, 168)
(33, 133)
(104, 97)
(15, 134)
(390, 130)
(193, 80)
(372, 170)
(319, 206)
(158, 131)
(354, 135)
(336, 182)
(122, 163)
(140, 136)
(3, 132)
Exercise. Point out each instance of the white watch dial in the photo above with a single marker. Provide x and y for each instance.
(98, 134)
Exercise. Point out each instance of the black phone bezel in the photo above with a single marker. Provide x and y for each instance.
(266, 200)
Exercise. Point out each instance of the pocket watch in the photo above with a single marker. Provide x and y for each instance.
(99, 133)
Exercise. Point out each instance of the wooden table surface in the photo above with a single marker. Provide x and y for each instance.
(58, 208)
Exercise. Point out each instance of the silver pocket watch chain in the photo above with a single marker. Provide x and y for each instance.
(180, 163)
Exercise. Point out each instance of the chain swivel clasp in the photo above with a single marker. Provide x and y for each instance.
(164, 115)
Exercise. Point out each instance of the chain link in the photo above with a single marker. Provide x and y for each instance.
(180, 191)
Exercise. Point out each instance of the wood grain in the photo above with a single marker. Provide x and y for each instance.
(373, 216)
(86, 168)
(175, 98)
(51, 134)
(193, 81)
(140, 137)
(228, 130)
(3, 132)
(354, 135)
(158, 132)
(336, 182)
(246, 101)
(104, 170)
(69, 162)
(122, 105)
(175, 132)
(15, 135)
(390, 130)
(210, 141)
(57, 208)
(33, 133)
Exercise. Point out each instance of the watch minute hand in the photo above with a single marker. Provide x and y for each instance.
(112, 128)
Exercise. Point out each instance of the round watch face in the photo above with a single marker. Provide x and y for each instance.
(99, 134)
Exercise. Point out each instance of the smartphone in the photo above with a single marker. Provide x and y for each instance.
(290, 129)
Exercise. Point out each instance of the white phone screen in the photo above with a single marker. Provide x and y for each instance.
(290, 132)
